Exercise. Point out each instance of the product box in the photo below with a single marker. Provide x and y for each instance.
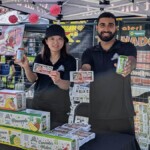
(81, 76)
(39, 141)
(4, 135)
(77, 126)
(74, 131)
(35, 141)
(60, 131)
(12, 100)
(42, 69)
(11, 137)
(29, 119)
(45, 141)
(83, 136)
(122, 60)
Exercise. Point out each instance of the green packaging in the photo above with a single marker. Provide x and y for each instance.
(122, 60)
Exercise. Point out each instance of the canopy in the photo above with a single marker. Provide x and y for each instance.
(81, 9)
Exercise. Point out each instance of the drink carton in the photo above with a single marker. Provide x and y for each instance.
(122, 60)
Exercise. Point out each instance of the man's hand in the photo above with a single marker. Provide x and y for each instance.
(130, 65)
(86, 67)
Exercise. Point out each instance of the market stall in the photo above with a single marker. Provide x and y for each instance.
(80, 93)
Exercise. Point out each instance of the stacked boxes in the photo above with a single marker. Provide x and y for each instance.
(30, 129)
(47, 142)
(80, 132)
(142, 124)
(11, 102)
(34, 141)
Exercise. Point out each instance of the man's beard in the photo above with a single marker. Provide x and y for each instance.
(107, 38)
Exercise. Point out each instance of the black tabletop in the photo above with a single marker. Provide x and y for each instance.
(112, 141)
(6, 147)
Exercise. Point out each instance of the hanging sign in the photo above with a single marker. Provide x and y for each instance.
(137, 33)
(11, 39)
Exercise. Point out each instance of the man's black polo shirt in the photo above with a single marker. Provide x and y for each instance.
(110, 95)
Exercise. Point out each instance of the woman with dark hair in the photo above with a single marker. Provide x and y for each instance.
(51, 91)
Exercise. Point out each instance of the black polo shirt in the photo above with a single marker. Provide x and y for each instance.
(64, 65)
(110, 95)
(48, 96)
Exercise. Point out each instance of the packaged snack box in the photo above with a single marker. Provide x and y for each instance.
(81, 76)
(29, 119)
(12, 100)
(11, 136)
(35, 141)
(42, 69)
(83, 136)
(47, 142)
(4, 135)
(122, 60)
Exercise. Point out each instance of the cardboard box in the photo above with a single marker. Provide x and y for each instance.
(35, 141)
(11, 137)
(12, 100)
(81, 76)
(4, 135)
(29, 119)
(44, 142)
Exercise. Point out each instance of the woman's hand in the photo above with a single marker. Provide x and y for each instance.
(62, 84)
(23, 63)
(55, 76)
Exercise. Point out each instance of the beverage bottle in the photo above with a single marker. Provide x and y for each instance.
(20, 53)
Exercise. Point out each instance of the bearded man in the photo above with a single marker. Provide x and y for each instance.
(111, 105)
